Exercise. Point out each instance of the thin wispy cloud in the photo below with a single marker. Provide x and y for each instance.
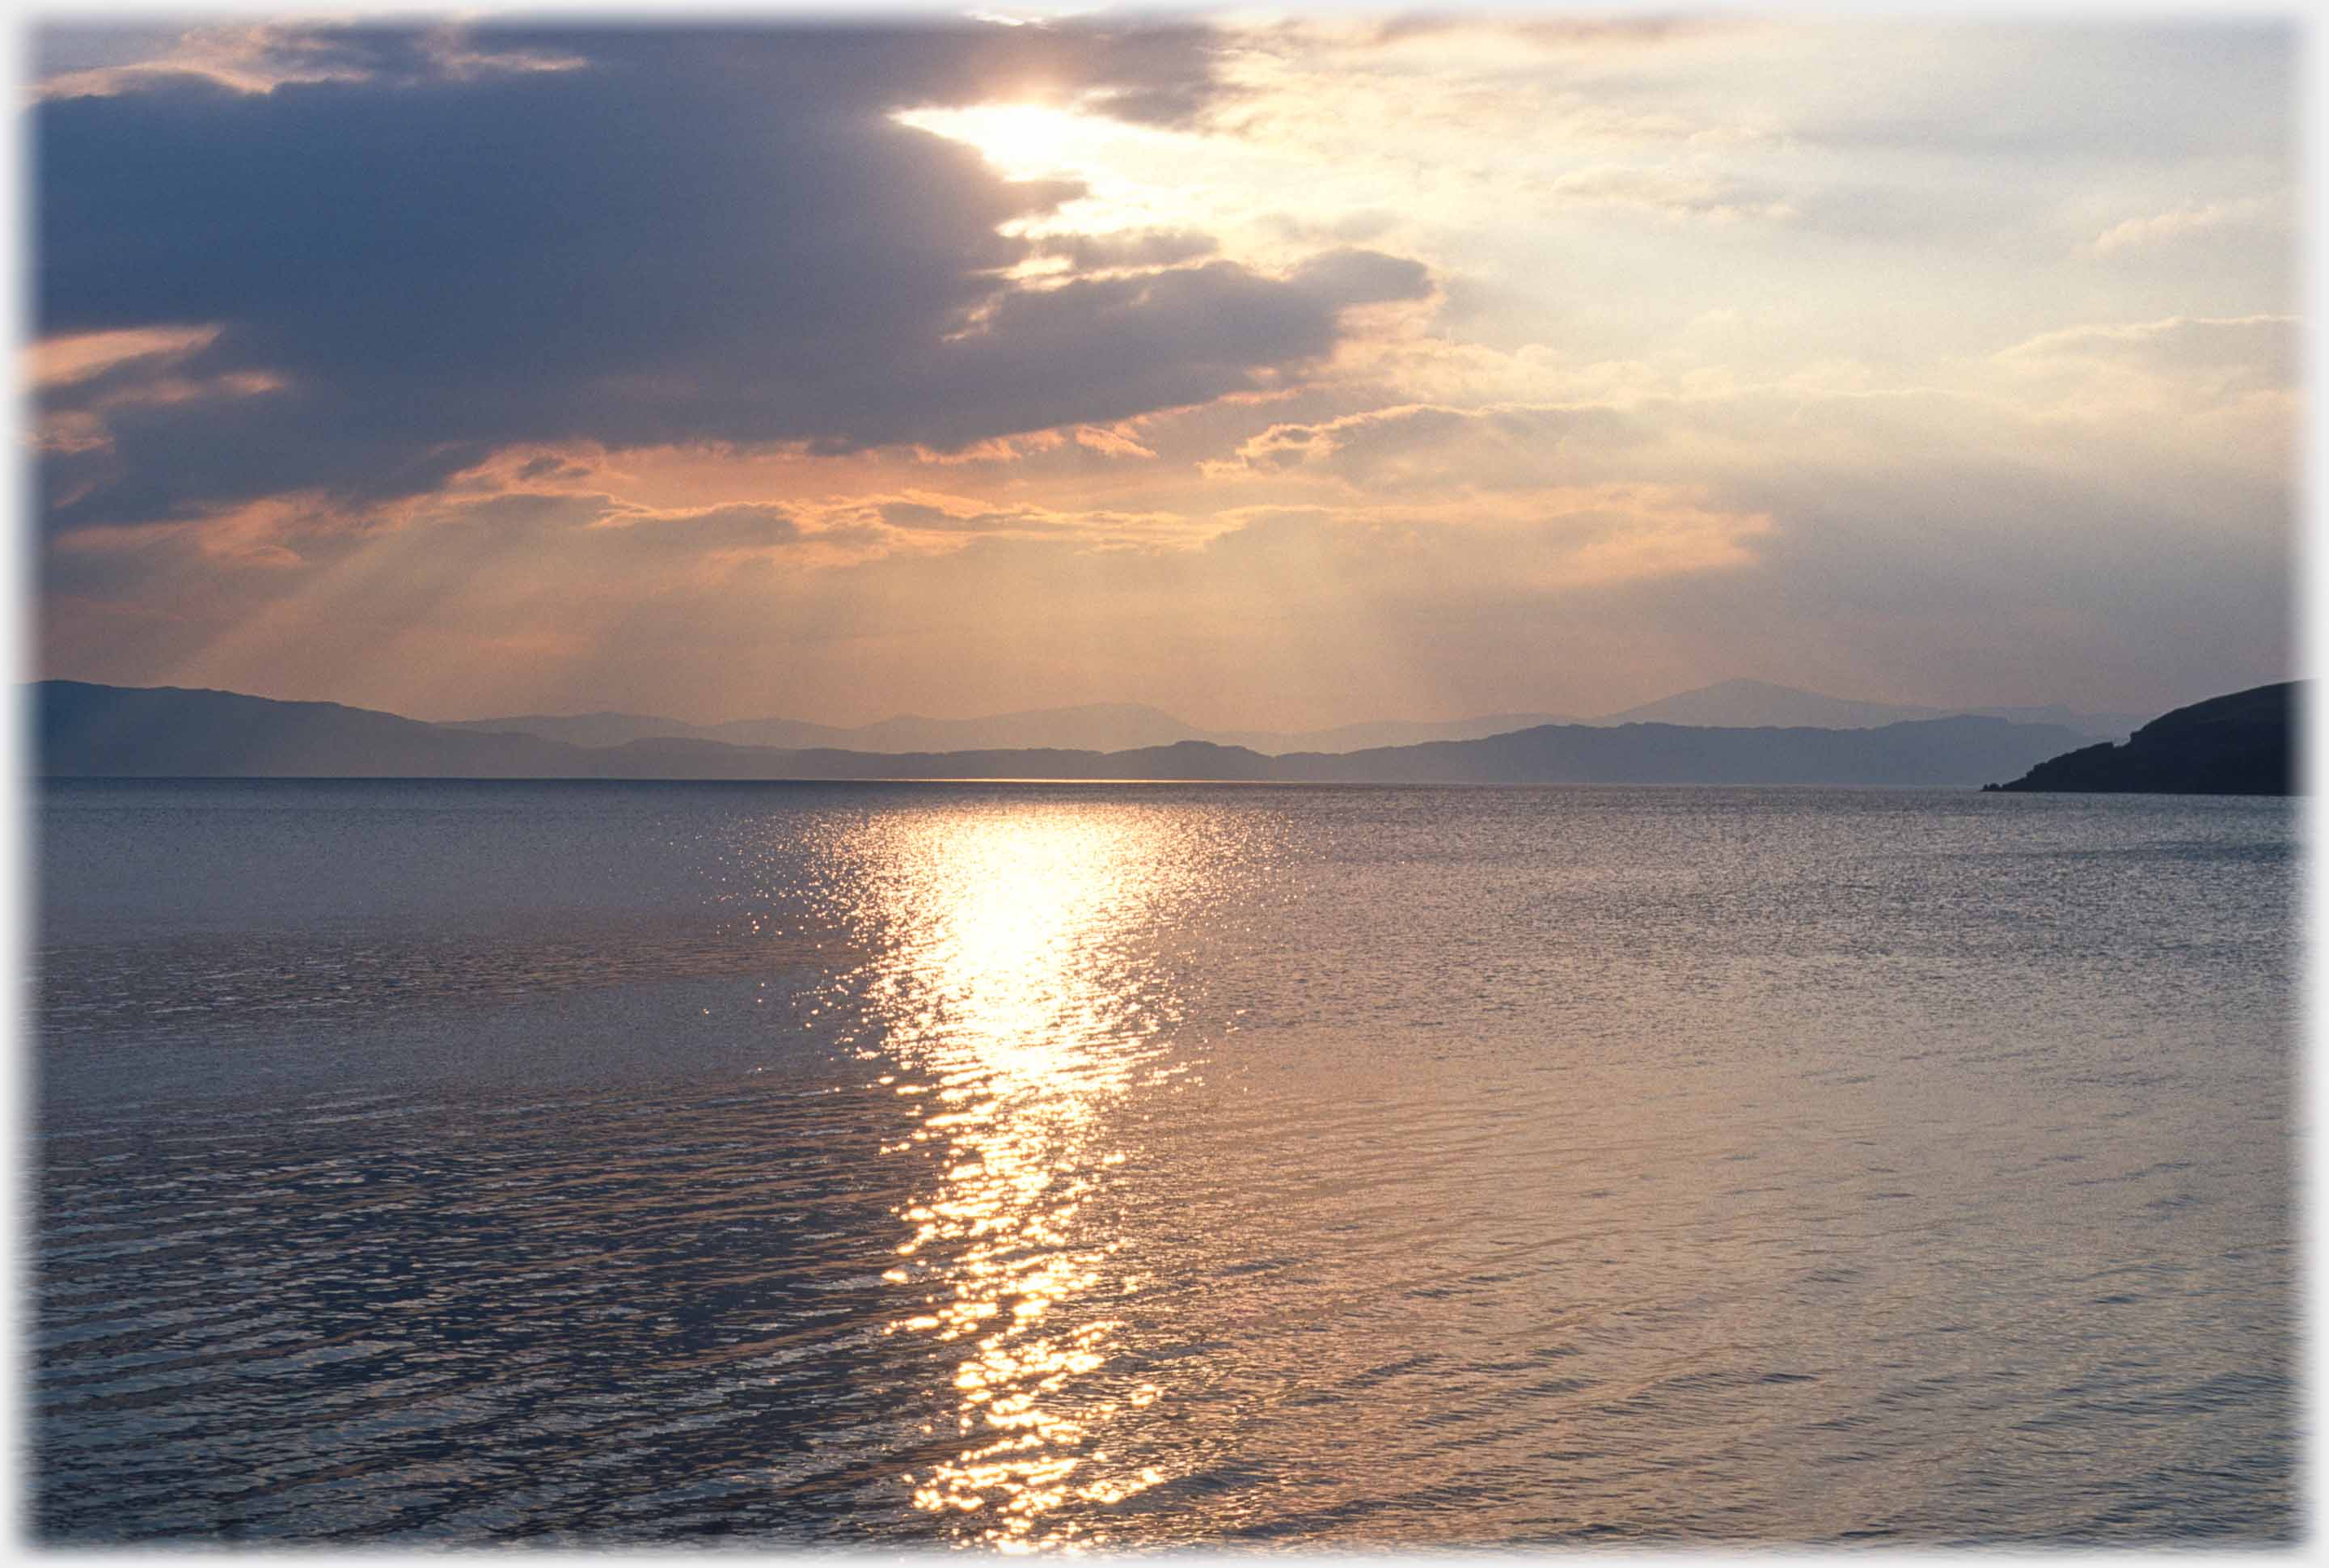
(2181, 223)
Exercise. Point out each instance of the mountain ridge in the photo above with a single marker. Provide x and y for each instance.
(1738, 703)
(1745, 703)
(85, 731)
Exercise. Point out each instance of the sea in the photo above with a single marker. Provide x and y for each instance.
(1117, 1167)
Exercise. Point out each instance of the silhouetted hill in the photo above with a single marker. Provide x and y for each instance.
(2240, 744)
(90, 731)
(84, 731)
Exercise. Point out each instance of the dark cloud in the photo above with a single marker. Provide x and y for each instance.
(387, 53)
(697, 236)
(551, 467)
(1103, 349)
(1140, 248)
(1354, 277)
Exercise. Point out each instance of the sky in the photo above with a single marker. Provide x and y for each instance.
(1279, 369)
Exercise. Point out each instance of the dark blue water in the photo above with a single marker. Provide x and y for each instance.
(1161, 1165)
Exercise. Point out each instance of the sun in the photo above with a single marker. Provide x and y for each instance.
(1022, 141)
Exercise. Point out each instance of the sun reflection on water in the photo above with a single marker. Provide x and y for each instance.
(1017, 1005)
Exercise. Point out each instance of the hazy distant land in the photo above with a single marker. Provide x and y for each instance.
(1091, 727)
(87, 730)
(1128, 726)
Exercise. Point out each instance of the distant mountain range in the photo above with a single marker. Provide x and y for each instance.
(1743, 703)
(1127, 726)
(85, 731)
(1094, 727)
(2240, 744)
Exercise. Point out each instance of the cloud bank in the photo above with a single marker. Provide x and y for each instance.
(441, 247)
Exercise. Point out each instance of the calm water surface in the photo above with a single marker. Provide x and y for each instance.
(1046, 1166)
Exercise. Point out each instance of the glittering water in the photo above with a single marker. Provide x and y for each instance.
(1121, 1165)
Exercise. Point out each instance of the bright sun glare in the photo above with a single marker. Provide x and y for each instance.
(1025, 1022)
(1023, 141)
(1134, 176)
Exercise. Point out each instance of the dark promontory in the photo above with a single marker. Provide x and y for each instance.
(2240, 744)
